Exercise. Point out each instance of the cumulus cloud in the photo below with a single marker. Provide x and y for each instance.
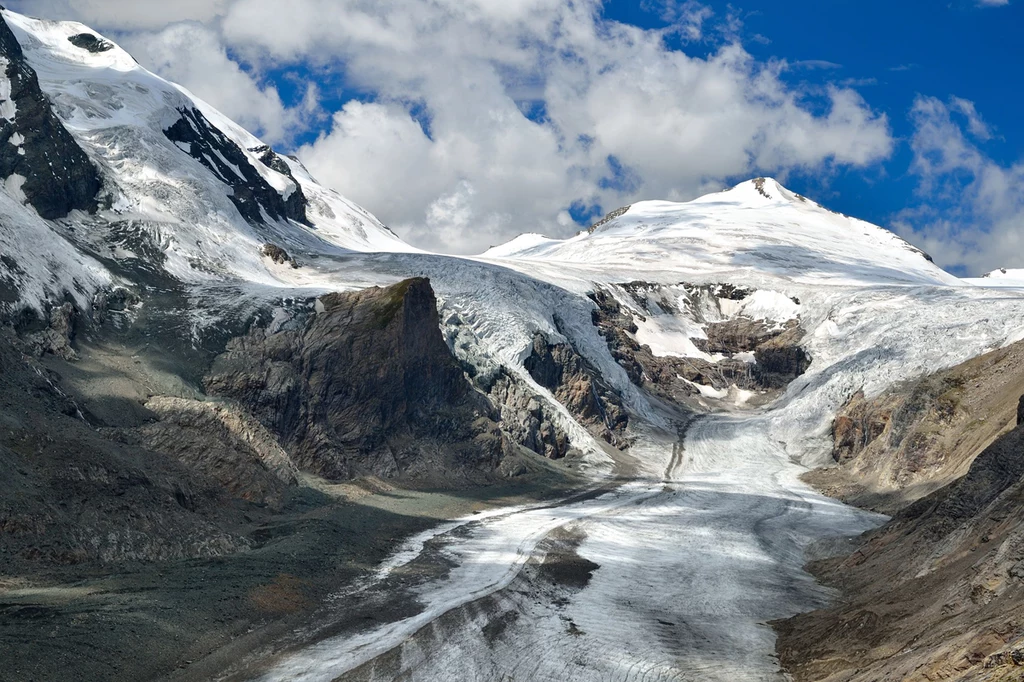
(124, 14)
(539, 104)
(486, 118)
(191, 54)
(971, 212)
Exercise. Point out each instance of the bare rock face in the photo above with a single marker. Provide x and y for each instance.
(856, 428)
(252, 195)
(70, 494)
(51, 170)
(278, 255)
(779, 357)
(222, 443)
(526, 420)
(921, 435)
(367, 385)
(1020, 411)
(577, 385)
(90, 42)
(58, 334)
(933, 594)
(936, 593)
(739, 335)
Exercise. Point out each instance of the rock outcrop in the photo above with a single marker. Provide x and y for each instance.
(70, 494)
(938, 592)
(526, 419)
(921, 435)
(578, 386)
(278, 255)
(365, 386)
(91, 43)
(38, 157)
(222, 443)
(778, 357)
(251, 194)
(58, 333)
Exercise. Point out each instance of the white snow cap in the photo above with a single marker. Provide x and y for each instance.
(757, 226)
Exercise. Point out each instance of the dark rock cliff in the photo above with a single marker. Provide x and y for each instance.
(250, 192)
(59, 177)
(367, 385)
(578, 386)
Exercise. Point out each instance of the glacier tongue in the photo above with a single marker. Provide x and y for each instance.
(703, 542)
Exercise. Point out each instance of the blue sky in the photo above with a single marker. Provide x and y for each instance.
(465, 122)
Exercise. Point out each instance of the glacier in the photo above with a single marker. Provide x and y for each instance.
(698, 533)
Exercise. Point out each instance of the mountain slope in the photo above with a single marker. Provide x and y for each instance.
(758, 227)
(180, 183)
(208, 321)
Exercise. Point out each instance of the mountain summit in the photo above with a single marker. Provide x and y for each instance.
(160, 177)
(248, 430)
(757, 227)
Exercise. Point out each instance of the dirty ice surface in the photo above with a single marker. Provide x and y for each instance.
(694, 556)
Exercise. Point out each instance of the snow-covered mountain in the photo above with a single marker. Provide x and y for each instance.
(754, 229)
(181, 184)
(1003, 277)
(192, 305)
(188, 195)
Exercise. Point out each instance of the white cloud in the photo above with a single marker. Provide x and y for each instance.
(191, 54)
(977, 127)
(124, 14)
(971, 215)
(445, 152)
(679, 125)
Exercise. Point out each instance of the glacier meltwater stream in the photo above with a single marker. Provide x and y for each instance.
(672, 575)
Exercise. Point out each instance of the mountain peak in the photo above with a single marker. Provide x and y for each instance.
(169, 182)
(755, 229)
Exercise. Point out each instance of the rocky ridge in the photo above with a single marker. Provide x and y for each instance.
(945, 456)
(752, 354)
(39, 159)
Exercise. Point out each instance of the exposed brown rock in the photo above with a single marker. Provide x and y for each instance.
(923, 434)
(72, 495)
(780, 359)
(278, 255)
(526, 420)
(938, 592)
(931, 595)
(57, 336)
(738, 335)
(578, 386)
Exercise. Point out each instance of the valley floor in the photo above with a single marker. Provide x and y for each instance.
(672, 575)
(189, 620)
